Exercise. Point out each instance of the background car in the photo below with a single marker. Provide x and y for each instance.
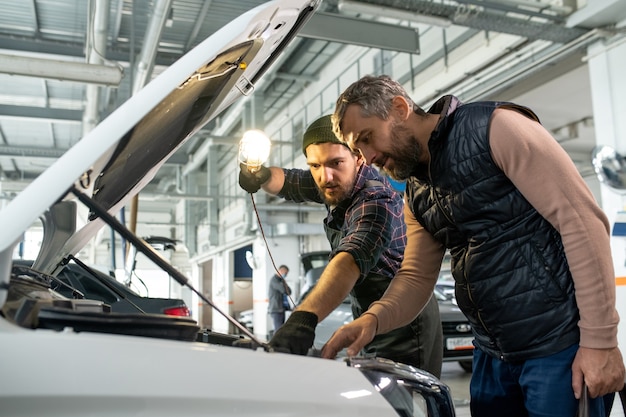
(457, 333)
(445, 283)
(313, 264)
(446, 288)
(93, 284)
(246, 318)
(33, 303)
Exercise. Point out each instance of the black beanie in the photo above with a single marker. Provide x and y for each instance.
(320, 131)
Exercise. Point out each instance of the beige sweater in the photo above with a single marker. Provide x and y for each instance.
(549, 180)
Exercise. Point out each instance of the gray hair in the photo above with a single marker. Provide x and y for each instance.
(374, 94)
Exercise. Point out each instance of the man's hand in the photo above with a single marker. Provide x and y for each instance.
(252, 181)
(296, 335)
(354, 336)
(601, 369)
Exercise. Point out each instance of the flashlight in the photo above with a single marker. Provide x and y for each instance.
(254, 149)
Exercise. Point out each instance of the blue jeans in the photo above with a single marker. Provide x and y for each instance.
(533, 388)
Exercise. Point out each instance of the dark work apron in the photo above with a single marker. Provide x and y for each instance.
(420, 343)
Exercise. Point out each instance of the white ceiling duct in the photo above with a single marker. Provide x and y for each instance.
(61, 70)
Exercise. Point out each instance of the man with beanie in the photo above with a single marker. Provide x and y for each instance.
(367, 236)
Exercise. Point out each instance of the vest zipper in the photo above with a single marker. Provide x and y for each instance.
(435, 197)
(479, 317)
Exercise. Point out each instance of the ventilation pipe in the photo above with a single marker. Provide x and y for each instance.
(97, 44)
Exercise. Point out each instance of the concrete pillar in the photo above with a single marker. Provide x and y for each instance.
(607, 61)
(260, 282)
(222, 289)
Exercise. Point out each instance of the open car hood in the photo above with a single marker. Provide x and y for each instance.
(113, 162)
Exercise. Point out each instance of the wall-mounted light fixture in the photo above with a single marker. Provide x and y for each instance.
(169, 22)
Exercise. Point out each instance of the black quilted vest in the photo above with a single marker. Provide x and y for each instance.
(512, 278)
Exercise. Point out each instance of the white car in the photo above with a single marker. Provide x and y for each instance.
(64, 356)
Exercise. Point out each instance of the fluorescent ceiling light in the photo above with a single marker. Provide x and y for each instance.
(353, 7)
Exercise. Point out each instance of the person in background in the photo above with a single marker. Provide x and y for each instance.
(367, 237)
(529, 246)
(277, 293)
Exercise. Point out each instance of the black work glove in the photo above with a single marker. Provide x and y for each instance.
(296, 335)
(251, 182)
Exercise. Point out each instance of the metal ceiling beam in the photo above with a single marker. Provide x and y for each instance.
(343, 29)
(357, 8)
(535, 79)
(53, 115)
(72, 49)
(39, 152)
(31, 151)
(501, 82)
(484, 19)
(598, 13)
(43, 46)
(303, 78)
(528, 8)
(198, 24)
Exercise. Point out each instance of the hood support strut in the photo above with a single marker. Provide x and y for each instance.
(151, 254)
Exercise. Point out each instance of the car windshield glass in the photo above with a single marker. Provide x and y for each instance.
(97, 291)
(314, 260)
(117, 284)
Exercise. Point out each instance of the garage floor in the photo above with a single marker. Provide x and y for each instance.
(458, 381)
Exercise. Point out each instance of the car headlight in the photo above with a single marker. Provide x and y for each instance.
(410, 391)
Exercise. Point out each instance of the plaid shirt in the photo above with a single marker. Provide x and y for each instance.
(370, 221)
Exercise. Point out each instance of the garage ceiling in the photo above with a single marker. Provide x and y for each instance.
(49, 101)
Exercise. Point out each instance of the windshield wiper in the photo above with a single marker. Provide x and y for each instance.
(77, 294)
(103, 282)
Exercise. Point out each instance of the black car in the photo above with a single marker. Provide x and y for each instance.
(75, 281)
(457, 332)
